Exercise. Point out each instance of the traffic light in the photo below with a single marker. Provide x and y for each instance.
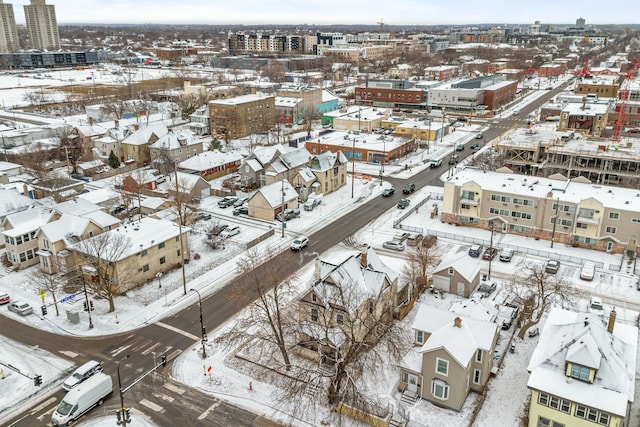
(91, 305)
(163, 360)
(86, 306)
(127, 416)
(44, 310)
(37, 380)
(204, 333)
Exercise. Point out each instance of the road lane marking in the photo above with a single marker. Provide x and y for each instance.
(141, 346)
(117, 351)
(151, 405)
(70, 354)
(179, 331)
(175, 354)
(205, 414)
(44, 404)
(150, 349)
(174, 388)
(164, 397)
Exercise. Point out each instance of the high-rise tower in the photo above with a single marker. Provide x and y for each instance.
(42, 25)
(8, 33)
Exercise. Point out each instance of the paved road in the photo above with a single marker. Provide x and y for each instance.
(157, 395)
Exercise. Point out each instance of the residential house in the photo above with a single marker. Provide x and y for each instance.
(190, 187)
(10, 169)
(199, 121)
(453, 355)
(212, 164)
(11, 202)
(59, 189)
(19, 235)
(90, 168)
(151, 246)
(286, 166)
(272, 199)
(174, 147)
(135, 147)
(253, 166)
(139, 181)
(457, 273)
(111, 141)
(87, 135)
(330, 170)
(583, 371)
(588, 118)
(348, 294)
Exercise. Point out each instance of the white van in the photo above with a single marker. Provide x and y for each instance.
(82, 373)
(82, 398)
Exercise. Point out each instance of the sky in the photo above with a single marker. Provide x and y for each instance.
(398, 12)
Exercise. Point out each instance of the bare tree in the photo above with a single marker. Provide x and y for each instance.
(98, 256)
(48, 282)
(420, 260)
(535, 290)
(34, 158)
(115, 109)
(266, 320)
(311, 117)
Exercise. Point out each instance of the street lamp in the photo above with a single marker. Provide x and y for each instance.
(491, 226)
(158, 276)
(86, 269)
(123, 413)
(202, 327)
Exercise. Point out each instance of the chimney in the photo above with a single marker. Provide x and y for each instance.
(116, 124)
(457, 322)
(584, 102)
(612, 321)
(136, 127)
(25, 190)
(90, 120)
(363, 258)
(316, 272)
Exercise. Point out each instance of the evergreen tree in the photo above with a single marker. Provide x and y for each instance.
(113, 161)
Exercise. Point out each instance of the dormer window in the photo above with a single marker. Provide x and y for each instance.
(581, 373)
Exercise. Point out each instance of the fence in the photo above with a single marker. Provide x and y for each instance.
(398, 222)
(259, 239)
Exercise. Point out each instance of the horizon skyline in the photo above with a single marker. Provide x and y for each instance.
(296, 12)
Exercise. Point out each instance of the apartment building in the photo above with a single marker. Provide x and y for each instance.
(587, 118)
(570, 212)
(242, 115)
(602, 86)
(441, 72)
(9, 41)
(42, 25)
(259, 42)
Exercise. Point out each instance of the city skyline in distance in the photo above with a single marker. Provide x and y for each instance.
(398, 12)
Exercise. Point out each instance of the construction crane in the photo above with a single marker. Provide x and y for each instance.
(623, 96)
(585, 70)
(381, 24)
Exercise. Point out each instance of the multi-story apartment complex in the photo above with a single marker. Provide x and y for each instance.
(441, 72)
(241, 116)
(8, 32)
(259, 42)
(391, 94)
(42, 25)
(603, 86)
(570, 212)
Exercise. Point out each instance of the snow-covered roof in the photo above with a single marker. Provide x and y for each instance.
(26, 221)
(68, 228)
(276, 192)
(327, 160)
(11, 201)
(8, 166)
(254, 164)
(171, 140)
(287, 101)
(590, 109)
(91, 130)
(99, 196)
(238, 100)
(265, 155)
(102, 219)
(210, 159)
(186, 181)
(461, 262)
(152, 203)
(328, 96)
(306, 174)
(144, 133)
(77, 206)
(583, 338)
(461, 342)
(476, 308)
(91, 164)
(295, 158)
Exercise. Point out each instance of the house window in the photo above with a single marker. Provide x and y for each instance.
(178, 252)
(544, 422)
(614, 215)
(611, 230)
(591, 414)
(314, 314)
(143, 252)
(339, 319)
(405, 377)
(420, 337)
(479, 356)
(163, 260)
(451, 271)
(370, 307)
(45, 243)
(314, 298)
(442, 366)
(440, 389)
(161, 245)
(476, 376)
(145, 267)
(580, 372)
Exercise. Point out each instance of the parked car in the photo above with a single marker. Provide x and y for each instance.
(453, 160)
(241, 210)
(506, 254)
(506, 315)
(240, 202)
(489, 253)
(230, 231)
(401, 236)
(409, 188)
(435, 163)
(21, 308)
(202, 216)
(459, 147)
(552, 266)
(479, 136)
(533, 332)
(474, 146)
(81, 374)
(313, 201)
(403, 203)
(487, 288)
(595, 306)
(227, 201)
(588, 271)
(288, 214)
(299, 243)
(475, 250)
(388, 192)
(414, 239)
(4, 298)
(394, 245)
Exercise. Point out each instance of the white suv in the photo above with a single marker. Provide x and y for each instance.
(299, 243)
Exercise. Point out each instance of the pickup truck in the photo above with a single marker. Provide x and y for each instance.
(313, 201)
(288, 214)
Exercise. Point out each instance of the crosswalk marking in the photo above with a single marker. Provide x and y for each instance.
(175, 354)
(164, 397)
(117, 351)
(150, 349)
(70, 354)
(209, 409)
(151, 405)
(141, 346)
(179, 331)
(173, 388)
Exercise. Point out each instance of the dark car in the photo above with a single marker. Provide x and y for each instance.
(479, 136)
(227, 201)
(474, 146)
(403, 203)
(241, 210)
(288, 214)
(453, 160)
(388, 192)
(552, 266)
(409, 188)
(489, 253)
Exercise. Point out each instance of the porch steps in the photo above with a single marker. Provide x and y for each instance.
(409, 397)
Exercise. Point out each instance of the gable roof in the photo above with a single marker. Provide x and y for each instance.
(295, 158)
(11, 201)
(210, 159)
(327, 160)
(28, 220)
(76, 206)
(276, 192)
(171, 140)
(583, 339)
(143, 135)
(461, 262)
(68, 228)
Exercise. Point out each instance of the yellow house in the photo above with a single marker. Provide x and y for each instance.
(582, 372)
(272, 199)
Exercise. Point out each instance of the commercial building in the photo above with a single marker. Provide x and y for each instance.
(9, 41)
(241, 116)
(42, 25)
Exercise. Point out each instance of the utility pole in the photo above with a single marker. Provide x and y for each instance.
(180, 216)
(491, 225)
(282, 211)
(353, 167)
